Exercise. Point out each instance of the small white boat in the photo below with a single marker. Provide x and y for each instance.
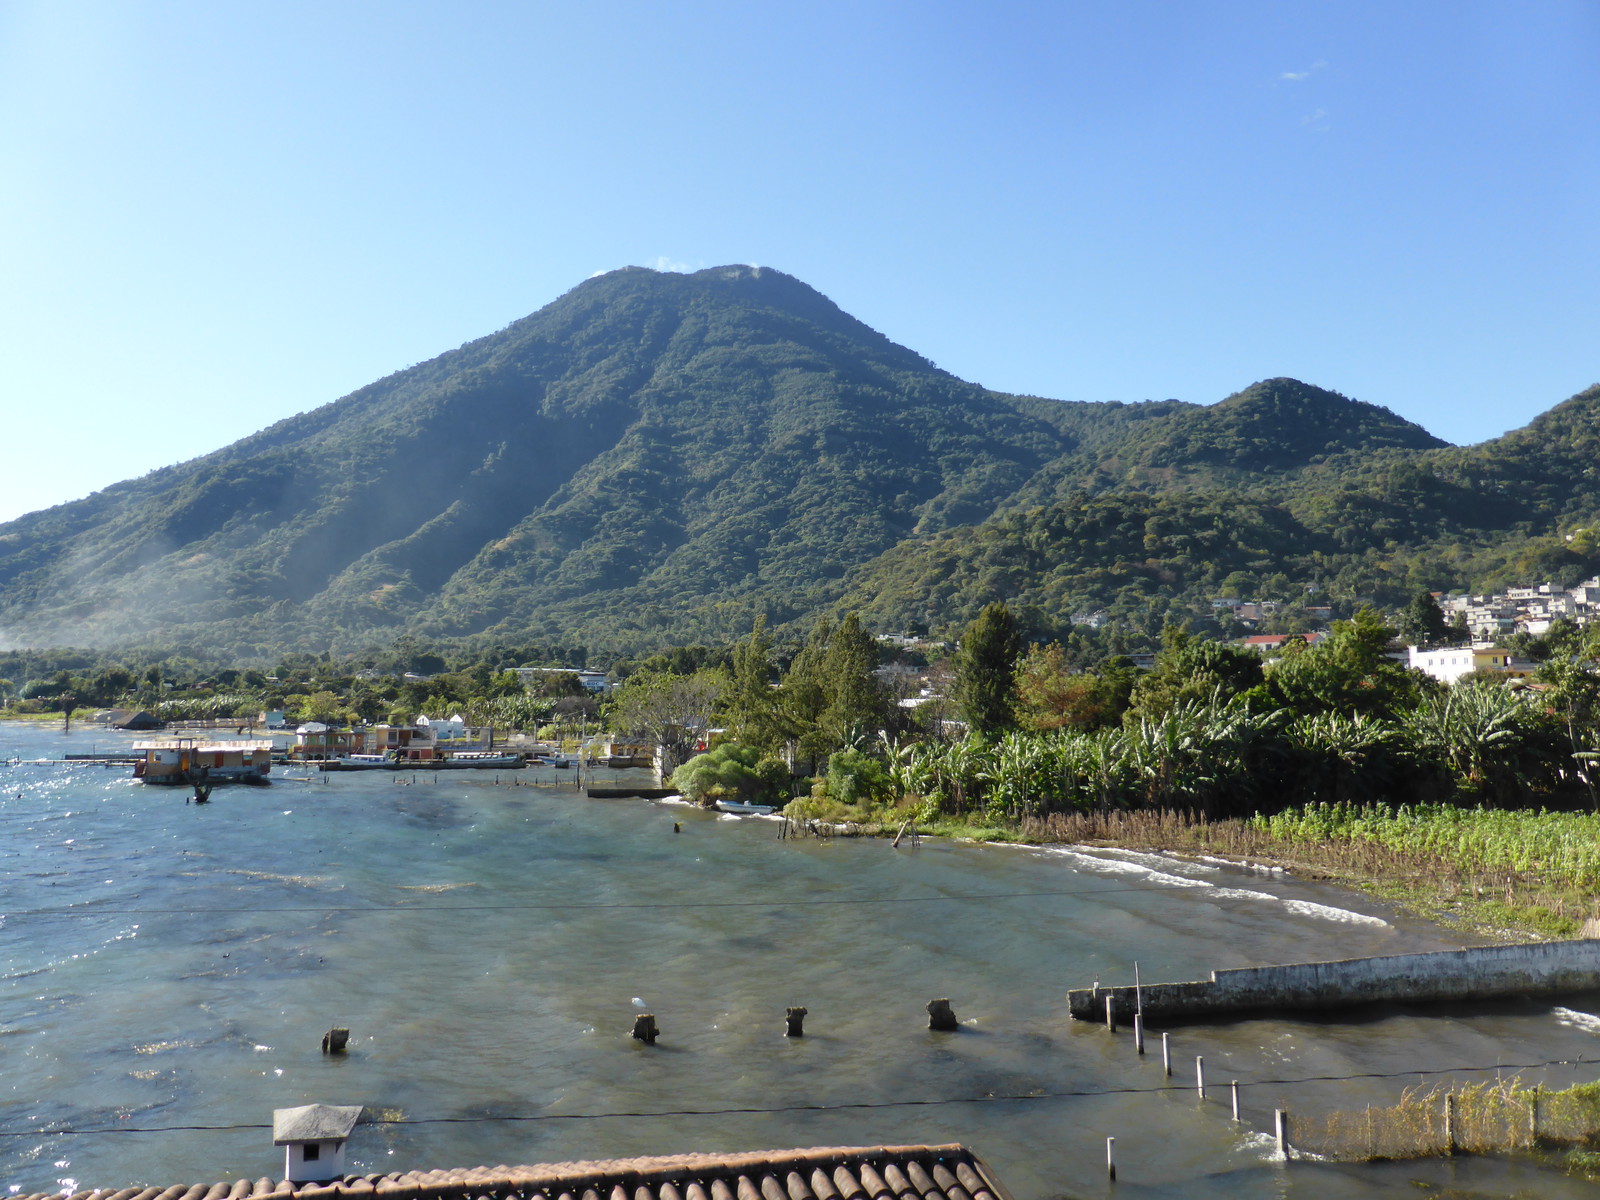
(742, 809)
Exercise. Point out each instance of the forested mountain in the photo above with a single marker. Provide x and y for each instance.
(656, 458)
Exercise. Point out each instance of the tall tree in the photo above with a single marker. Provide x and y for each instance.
(1422, 622)
(750, 704)
(986, 671)
(831, 697)
(672, 712)
(858, 703)
(1193, 668)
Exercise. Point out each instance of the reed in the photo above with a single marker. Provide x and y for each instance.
(1496, 1117)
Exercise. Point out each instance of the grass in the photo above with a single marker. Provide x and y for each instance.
(1494, 1117)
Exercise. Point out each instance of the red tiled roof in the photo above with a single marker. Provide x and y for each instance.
(949, 1172)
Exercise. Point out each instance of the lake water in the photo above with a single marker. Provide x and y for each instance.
(488, 943)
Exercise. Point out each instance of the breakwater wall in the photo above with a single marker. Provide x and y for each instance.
(1478, 973)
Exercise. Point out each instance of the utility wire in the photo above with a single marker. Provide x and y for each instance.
(844, 1106)
(571, 905)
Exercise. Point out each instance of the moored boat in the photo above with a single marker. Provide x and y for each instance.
(187, 761)
(743, 809)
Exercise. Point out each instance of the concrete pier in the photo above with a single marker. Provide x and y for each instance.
(1478, 973)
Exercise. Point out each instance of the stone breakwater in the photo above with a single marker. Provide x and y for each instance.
(1477, 973)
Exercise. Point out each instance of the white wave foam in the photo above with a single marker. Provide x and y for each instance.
(1133, 863)
(1253, 867)
(1159, 859)
(1574, 1019)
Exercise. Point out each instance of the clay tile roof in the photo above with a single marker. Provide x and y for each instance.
(949, 1172)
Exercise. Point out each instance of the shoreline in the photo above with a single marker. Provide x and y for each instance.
(1503, 907)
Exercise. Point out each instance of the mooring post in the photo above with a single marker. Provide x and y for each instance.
(1280, 1119)
(1450, 1123)
(1138, 1033)
(1111, 1159)
(941, 1017)
(1200, 1075)
(1111, 1012)
(1166, 1055)
(644, 1028)
(335, 1041)
(796, 1018)
(1235, 1087)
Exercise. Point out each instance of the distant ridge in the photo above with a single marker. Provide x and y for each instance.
(655, 458)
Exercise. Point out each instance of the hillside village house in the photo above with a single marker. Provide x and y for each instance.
(592, 681)
(1457, 662)
(1524, 609)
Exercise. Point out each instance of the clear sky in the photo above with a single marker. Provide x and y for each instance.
(216, 215)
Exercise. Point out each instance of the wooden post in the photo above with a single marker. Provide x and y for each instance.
(335, 1041)
(1166, 1055)
(1200, 1075)
(1449, 1122)
(1533, 1117)
(795, 1017)
(1111, 1013)
(1138, 1033)
(1235, 1087)
(644, 1028)
(1111, 1159)
(941, 1017)
(1280, 1119)
(1138, 993)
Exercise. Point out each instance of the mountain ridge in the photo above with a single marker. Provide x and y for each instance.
(649, 458)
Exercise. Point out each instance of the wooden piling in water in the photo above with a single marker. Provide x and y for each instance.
(941, 1017)
(1166, 1055)
(1111, 1013)
(795, 1018)
(645, 1030)
(335, 1040)
(1138, 1033)
(1111, 1159)
(1200, 1075)
(1280, 1121)
(1235, 1089)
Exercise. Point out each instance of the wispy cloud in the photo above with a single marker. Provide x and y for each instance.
(1315, 120)
(1302, 76)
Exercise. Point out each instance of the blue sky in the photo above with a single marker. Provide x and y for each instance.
(217, 215)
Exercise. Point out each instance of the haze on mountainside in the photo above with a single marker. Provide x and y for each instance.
(656, 458)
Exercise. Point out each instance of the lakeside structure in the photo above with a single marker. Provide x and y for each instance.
(1474, 974)
(182, 762)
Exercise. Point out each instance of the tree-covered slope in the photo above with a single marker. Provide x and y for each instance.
(655, 458)
(647, 439)
(1405, 514)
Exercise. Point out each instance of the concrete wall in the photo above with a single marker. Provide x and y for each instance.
(1479, 973)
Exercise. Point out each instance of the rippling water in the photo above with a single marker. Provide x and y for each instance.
(488, 943)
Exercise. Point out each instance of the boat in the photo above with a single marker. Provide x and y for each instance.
(743, 809)
(186, 762)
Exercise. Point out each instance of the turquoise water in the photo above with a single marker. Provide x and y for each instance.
(488, 943)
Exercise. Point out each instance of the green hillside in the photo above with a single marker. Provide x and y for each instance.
(655, 458)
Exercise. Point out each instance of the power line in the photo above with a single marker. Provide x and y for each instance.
(843, 1106)
(576, 905)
